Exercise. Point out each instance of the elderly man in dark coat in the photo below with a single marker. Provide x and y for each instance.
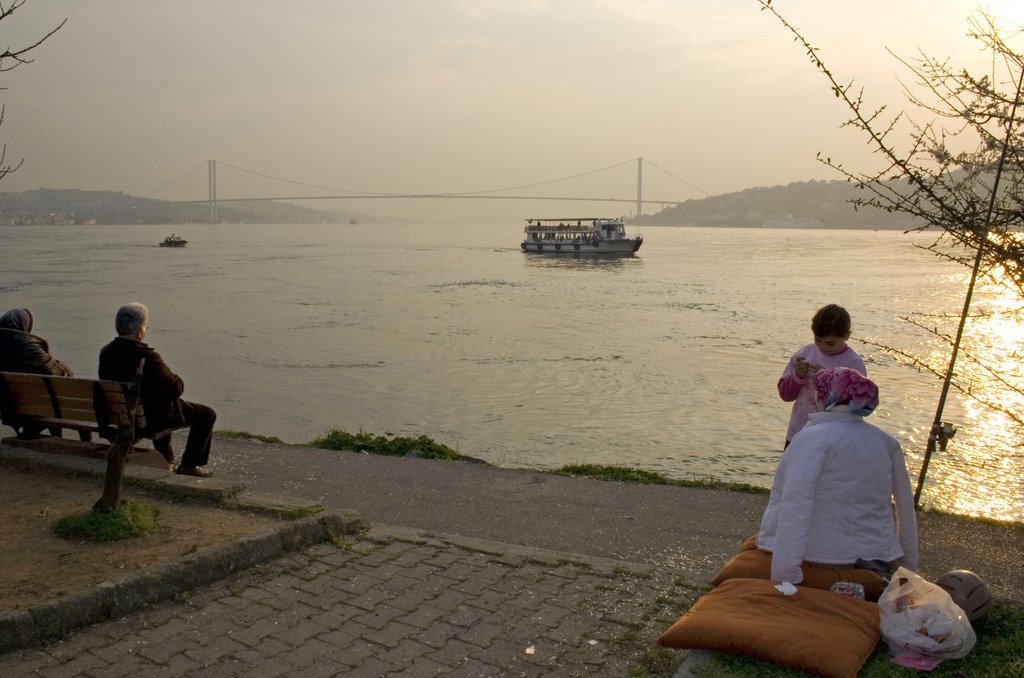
(161, 391)
(22, 351)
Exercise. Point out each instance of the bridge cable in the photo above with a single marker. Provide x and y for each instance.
(461, 193)
(171, 181)
(688, 183)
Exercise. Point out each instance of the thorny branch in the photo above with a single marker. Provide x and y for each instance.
(933, 181)
(942, 177)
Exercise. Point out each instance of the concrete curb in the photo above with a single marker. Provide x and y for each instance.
(116, 598)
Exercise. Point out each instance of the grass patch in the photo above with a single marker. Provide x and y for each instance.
(632, 475)
(132, 519)
(652, 660)
(243, 435)
(998, 654)
(622, 473)
(425, 447)
(387, 444)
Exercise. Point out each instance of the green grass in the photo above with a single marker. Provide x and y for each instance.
(132, 519)
(387, 444)
(632, 475)
(999, 653)
(242, 435)
(427, 448)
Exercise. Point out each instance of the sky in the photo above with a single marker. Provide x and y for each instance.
(453, 96)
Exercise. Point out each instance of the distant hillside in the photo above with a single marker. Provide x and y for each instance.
(71, 206)
(806, 204)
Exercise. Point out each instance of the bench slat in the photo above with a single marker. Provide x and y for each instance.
(74, 425)
(67, 402)
(69, 387)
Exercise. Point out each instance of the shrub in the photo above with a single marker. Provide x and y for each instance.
(423, 446)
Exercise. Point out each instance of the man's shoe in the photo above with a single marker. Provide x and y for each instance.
(197, 471)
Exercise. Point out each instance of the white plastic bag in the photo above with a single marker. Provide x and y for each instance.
(919, 617)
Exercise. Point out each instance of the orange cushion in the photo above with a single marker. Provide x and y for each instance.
(816, 631)
(756, 564)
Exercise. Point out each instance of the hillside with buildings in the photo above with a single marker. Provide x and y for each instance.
(805, 204)
(71, 206)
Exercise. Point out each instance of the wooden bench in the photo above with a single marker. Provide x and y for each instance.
(30, 403)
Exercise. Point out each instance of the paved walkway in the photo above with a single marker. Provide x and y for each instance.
(494, 573)
(689, 531)
(393, 603)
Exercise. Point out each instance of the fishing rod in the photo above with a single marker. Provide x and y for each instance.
(942, 431)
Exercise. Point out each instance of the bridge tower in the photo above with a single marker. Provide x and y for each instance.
(639, 186)
(212, 186)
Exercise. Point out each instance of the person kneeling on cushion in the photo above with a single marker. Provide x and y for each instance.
(832, 497)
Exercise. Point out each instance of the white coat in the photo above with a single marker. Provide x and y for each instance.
(832, 498)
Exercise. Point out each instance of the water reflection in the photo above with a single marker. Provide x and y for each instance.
(584, 261)
(985, 455)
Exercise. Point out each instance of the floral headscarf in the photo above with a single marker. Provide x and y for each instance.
(837, 385)
(17, 319)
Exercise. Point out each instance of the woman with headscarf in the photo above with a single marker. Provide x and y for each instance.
(22, 351)
(832, 496)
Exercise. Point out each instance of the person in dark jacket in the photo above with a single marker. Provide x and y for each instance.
(22, 351)
(161, 391)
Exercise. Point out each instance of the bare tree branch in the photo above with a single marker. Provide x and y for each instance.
(9, 60)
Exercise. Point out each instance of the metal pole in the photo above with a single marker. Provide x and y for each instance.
(212, 188)
(938, 434)
(639, 186)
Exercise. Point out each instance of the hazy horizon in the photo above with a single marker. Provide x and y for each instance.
(397, 96)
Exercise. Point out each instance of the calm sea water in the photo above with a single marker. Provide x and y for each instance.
(665, 361)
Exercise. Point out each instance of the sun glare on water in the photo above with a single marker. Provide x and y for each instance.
(985, 454)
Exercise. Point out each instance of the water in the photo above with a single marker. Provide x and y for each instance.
(665, 361)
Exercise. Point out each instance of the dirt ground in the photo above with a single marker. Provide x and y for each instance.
(38, 566)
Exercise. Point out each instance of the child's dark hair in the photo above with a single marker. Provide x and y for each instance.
(831, 321)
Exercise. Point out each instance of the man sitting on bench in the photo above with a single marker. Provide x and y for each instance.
(161, 391)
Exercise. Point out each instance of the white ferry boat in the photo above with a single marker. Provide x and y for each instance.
(570, 236)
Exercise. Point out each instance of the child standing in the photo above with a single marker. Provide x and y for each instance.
(831, 329)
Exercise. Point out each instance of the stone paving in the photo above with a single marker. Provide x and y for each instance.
(393, 602)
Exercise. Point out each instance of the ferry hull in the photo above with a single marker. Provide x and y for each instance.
(627, 246)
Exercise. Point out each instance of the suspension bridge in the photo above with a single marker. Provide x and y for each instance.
(212, 199)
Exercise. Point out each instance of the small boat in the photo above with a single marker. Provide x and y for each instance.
(173, 241)
(579, 236)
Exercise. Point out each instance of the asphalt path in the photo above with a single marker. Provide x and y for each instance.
(693, 531)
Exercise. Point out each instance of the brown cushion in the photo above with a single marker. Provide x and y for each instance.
(755, 564)
(814, 631)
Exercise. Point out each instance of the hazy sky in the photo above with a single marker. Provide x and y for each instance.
(452, 95)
